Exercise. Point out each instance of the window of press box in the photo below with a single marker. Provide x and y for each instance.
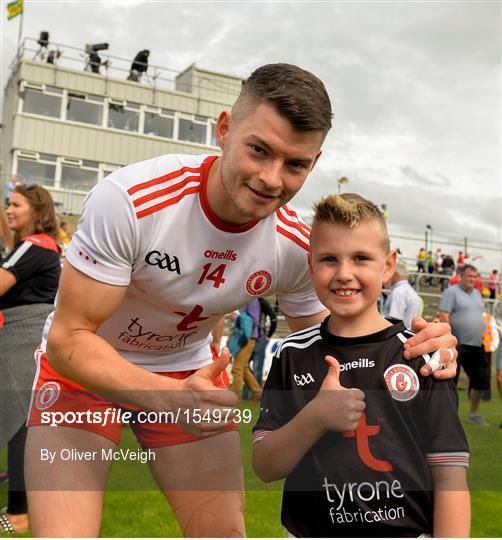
(159, 125)
(43, 103)
(213, 141)
(123, 117)
(36, 172)
(191, 131)
(78, 179)
(80, 109)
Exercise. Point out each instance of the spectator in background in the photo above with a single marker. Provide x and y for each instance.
(266, 329)
(493, 284)
(462, 307)
(478, 283)
(29, 279)
(64, 237)
(498, 320)
(460, 261)
(438, 261)
(448, 270)
(430, 267)
(421, 260)
(403, 303)
(491, 340)
(241, 371)
(64, 240)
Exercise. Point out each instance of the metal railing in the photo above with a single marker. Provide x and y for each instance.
(111, 66)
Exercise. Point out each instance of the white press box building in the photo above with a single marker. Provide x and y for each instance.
(67, 128)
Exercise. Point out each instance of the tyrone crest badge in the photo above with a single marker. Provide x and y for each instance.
(402, 382)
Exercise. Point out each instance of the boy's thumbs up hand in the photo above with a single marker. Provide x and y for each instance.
(337, 408)
(332, 379)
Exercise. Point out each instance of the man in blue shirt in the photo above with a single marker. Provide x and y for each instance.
(462, 307)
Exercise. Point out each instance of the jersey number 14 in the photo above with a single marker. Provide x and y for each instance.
(216, 276)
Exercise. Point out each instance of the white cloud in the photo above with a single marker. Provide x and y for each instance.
(416, 85)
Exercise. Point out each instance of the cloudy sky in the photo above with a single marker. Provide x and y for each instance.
(415, 86)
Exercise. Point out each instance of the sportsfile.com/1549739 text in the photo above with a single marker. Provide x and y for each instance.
(112, 415)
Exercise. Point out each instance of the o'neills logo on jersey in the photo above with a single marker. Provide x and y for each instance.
(47, 395)
(402, 382)
(360, 363)
(258, 282)
(228, 255)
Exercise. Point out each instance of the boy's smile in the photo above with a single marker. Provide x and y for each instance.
(348, 267)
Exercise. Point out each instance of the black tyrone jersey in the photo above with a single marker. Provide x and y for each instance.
(375, 481)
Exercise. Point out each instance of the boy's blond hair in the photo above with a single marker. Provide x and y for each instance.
(349, 209)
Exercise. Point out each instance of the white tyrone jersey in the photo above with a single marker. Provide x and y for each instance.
(148, 226)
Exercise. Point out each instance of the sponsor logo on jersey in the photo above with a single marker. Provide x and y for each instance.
(164, 261)
(228, 255)
(362, 434)
(190, 318)
(402, 382)
(302, 380)
(137, 335)
(360, 363)
(258, 282)
(47, 395)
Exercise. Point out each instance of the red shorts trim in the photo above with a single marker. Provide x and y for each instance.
(54, 393)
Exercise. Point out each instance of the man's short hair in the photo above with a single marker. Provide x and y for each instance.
(350, 209)
(402, 268)
(297, 95)
(468, 267)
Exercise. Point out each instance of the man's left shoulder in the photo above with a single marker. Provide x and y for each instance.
(290, 227)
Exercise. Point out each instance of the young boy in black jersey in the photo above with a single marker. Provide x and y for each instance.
(387, 462)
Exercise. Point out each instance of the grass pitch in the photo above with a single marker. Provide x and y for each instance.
(134, 508)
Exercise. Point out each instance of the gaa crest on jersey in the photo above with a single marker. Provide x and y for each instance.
(47, 395)
(402, 382)
(258, 282)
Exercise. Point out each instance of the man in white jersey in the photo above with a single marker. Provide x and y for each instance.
(163, 250)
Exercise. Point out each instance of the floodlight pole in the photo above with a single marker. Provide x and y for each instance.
(430, 229)
(341, 182)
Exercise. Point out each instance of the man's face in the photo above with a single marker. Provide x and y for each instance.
(264, 163)
(468, 279)
(348, 267)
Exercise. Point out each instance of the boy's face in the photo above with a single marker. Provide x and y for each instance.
(348, 266)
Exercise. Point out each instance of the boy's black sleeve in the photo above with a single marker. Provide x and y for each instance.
(443, 437)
